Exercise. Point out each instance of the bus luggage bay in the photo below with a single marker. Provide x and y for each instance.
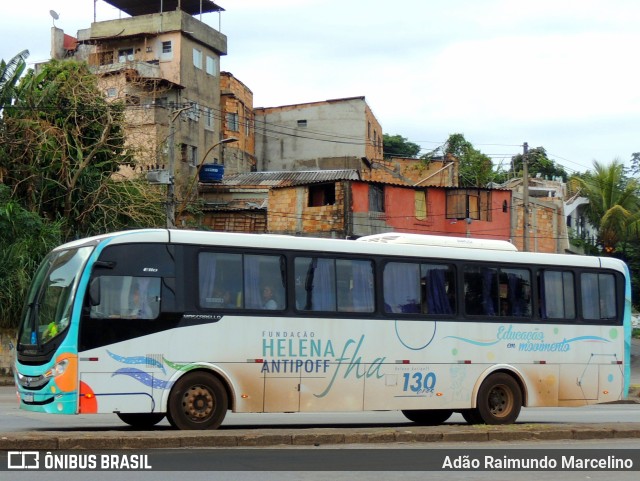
(188, 325)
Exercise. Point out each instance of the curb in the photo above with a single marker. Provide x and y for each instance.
(166, 439)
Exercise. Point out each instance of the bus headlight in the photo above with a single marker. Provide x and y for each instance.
(58, 369)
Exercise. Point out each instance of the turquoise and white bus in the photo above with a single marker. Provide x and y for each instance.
(188, 325)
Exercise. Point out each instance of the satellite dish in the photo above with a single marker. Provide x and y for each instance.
(54, 15)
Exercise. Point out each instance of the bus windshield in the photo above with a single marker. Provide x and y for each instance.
(47, 310)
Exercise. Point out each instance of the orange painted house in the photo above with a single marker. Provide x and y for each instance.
(350, 208)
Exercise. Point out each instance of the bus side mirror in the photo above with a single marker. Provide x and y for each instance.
(94, 291)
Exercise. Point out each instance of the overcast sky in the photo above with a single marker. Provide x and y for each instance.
(562, 74)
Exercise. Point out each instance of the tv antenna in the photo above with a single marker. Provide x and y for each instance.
(54, 16)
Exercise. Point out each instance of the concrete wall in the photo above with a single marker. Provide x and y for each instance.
(311, 136)
(236, 98)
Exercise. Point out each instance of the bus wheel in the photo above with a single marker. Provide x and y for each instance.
(428, 417)
(141, 420)
(197, 401)
(499, 399)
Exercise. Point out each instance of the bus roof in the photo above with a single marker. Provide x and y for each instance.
(471, 249)
(442, 241)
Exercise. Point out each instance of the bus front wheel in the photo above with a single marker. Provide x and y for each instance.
(428, 417)
(499, 399)
(197, 401)
(141, 420)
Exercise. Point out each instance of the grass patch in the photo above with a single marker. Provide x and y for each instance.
(635, 333)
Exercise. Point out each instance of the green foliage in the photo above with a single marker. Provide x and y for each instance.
(398, 146)
(629, 251)
(61, 148)
(476, 168)
(613, 202)
(9, 75)
(25, 238)
(538, 163)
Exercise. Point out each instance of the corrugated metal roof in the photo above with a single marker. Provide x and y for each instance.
(287, 179)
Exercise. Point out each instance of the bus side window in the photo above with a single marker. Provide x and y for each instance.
(598, 296)
(557, 295)
(481, 291)
(438, 289)
(315, 284)
(127, 297)
(401, 287)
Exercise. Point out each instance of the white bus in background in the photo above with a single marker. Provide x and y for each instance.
(188, 325)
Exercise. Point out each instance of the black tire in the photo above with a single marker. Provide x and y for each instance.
(472, 416)
(499, 399)
(428, 417)
(197, 401)
(141, 420)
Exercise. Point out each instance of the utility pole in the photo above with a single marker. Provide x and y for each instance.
(525, 198)
(171, 192)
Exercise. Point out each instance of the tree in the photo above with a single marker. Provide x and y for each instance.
(613, 202)
(539, 163)
(398, 146)
(9, 75)
(24, 240)
(476, 168)
(61, 149)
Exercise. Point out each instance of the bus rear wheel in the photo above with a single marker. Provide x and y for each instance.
(197, 401)
(499, 399)
(141, 420)
(428, 417)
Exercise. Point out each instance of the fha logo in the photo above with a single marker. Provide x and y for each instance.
(23, 460)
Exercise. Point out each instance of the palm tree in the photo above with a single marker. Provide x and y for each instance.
(9, 75)
(613, 201)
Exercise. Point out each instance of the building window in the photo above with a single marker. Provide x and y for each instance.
(232, 121)
(376, 198)
(421, 204)
(193, 156)
(132, 99)
(211, 66)
(323, 194)
(105, 58)
(469, 204)
(208, 118)
(111, 92)
(166, 46)
(302, 123)
(197, 58)
(194, 112)
(125, 54)
(247, 121)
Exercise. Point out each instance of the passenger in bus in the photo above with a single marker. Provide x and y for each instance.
(228, 300)
(268, 301)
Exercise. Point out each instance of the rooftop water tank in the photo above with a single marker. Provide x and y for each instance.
(211, 173)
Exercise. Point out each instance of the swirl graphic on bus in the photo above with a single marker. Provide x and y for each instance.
(415, 339)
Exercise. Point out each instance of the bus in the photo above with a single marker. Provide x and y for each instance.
(187, 325)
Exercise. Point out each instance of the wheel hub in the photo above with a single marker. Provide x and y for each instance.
(198, 403)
